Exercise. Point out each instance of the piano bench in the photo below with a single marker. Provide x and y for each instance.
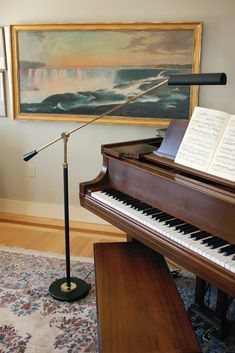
(139, 307)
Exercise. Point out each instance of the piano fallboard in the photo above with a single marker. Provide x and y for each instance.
(201, 200)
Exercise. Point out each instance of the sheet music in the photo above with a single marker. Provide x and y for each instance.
(201, 138)
(223, 164)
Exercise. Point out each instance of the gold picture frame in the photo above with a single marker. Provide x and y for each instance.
(75, 72)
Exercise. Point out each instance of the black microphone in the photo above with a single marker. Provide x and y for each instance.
(198, 79)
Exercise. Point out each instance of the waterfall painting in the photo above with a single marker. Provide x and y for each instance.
(76, 72)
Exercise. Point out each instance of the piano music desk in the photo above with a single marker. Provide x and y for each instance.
(139, 308)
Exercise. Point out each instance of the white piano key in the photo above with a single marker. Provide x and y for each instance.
(230, 266)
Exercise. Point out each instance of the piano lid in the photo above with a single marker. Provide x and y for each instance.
(143, 150)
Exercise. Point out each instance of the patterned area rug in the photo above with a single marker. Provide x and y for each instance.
(31, 321)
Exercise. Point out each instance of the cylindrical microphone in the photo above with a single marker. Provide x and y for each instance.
(198, 79)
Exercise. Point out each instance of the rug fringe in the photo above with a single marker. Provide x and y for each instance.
(43, 254)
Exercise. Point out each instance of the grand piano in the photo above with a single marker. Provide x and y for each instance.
(186, 215)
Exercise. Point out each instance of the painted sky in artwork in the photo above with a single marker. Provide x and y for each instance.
(102, 48)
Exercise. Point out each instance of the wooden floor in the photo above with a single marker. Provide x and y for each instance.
(45, 234)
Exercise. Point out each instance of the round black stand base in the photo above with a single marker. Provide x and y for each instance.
(78, 289)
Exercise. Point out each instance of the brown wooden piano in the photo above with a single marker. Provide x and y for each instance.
(172, 209)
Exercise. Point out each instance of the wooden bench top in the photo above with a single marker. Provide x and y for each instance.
(139, 307)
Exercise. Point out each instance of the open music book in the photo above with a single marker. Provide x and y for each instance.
(209, 143)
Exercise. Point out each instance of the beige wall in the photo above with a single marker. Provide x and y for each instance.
(43, 195)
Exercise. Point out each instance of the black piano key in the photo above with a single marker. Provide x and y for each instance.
(167, 218)
(123, 197)
(174, 222)
(230, 250)
(118, 196)
(195, 233)
(223, 249)
(200, 235)
(209, 241)
(130, 202)
(151, 211)
(143, 210)
(186, 227)
(160, 213)
(204, 241)
(111, 192)
(155, 214)
(180, 227)
(135, 204)
(106, 192)
(226, 248)
(218, 243)
(163, 217)
(140, 206)
(144, 206)
(190, 229)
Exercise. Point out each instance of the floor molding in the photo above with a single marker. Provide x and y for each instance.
(54, 223)
(48, 210)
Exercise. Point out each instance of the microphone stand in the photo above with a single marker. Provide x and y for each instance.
(71, 288)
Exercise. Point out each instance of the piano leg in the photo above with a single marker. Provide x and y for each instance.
(214, 321)
(200, 291)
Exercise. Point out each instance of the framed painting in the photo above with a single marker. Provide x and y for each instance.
(3, 111)
(76, 72)
(3, 65)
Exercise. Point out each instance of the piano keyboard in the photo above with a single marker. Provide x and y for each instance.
(211, 247)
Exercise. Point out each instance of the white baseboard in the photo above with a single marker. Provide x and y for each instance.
(48, 210)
